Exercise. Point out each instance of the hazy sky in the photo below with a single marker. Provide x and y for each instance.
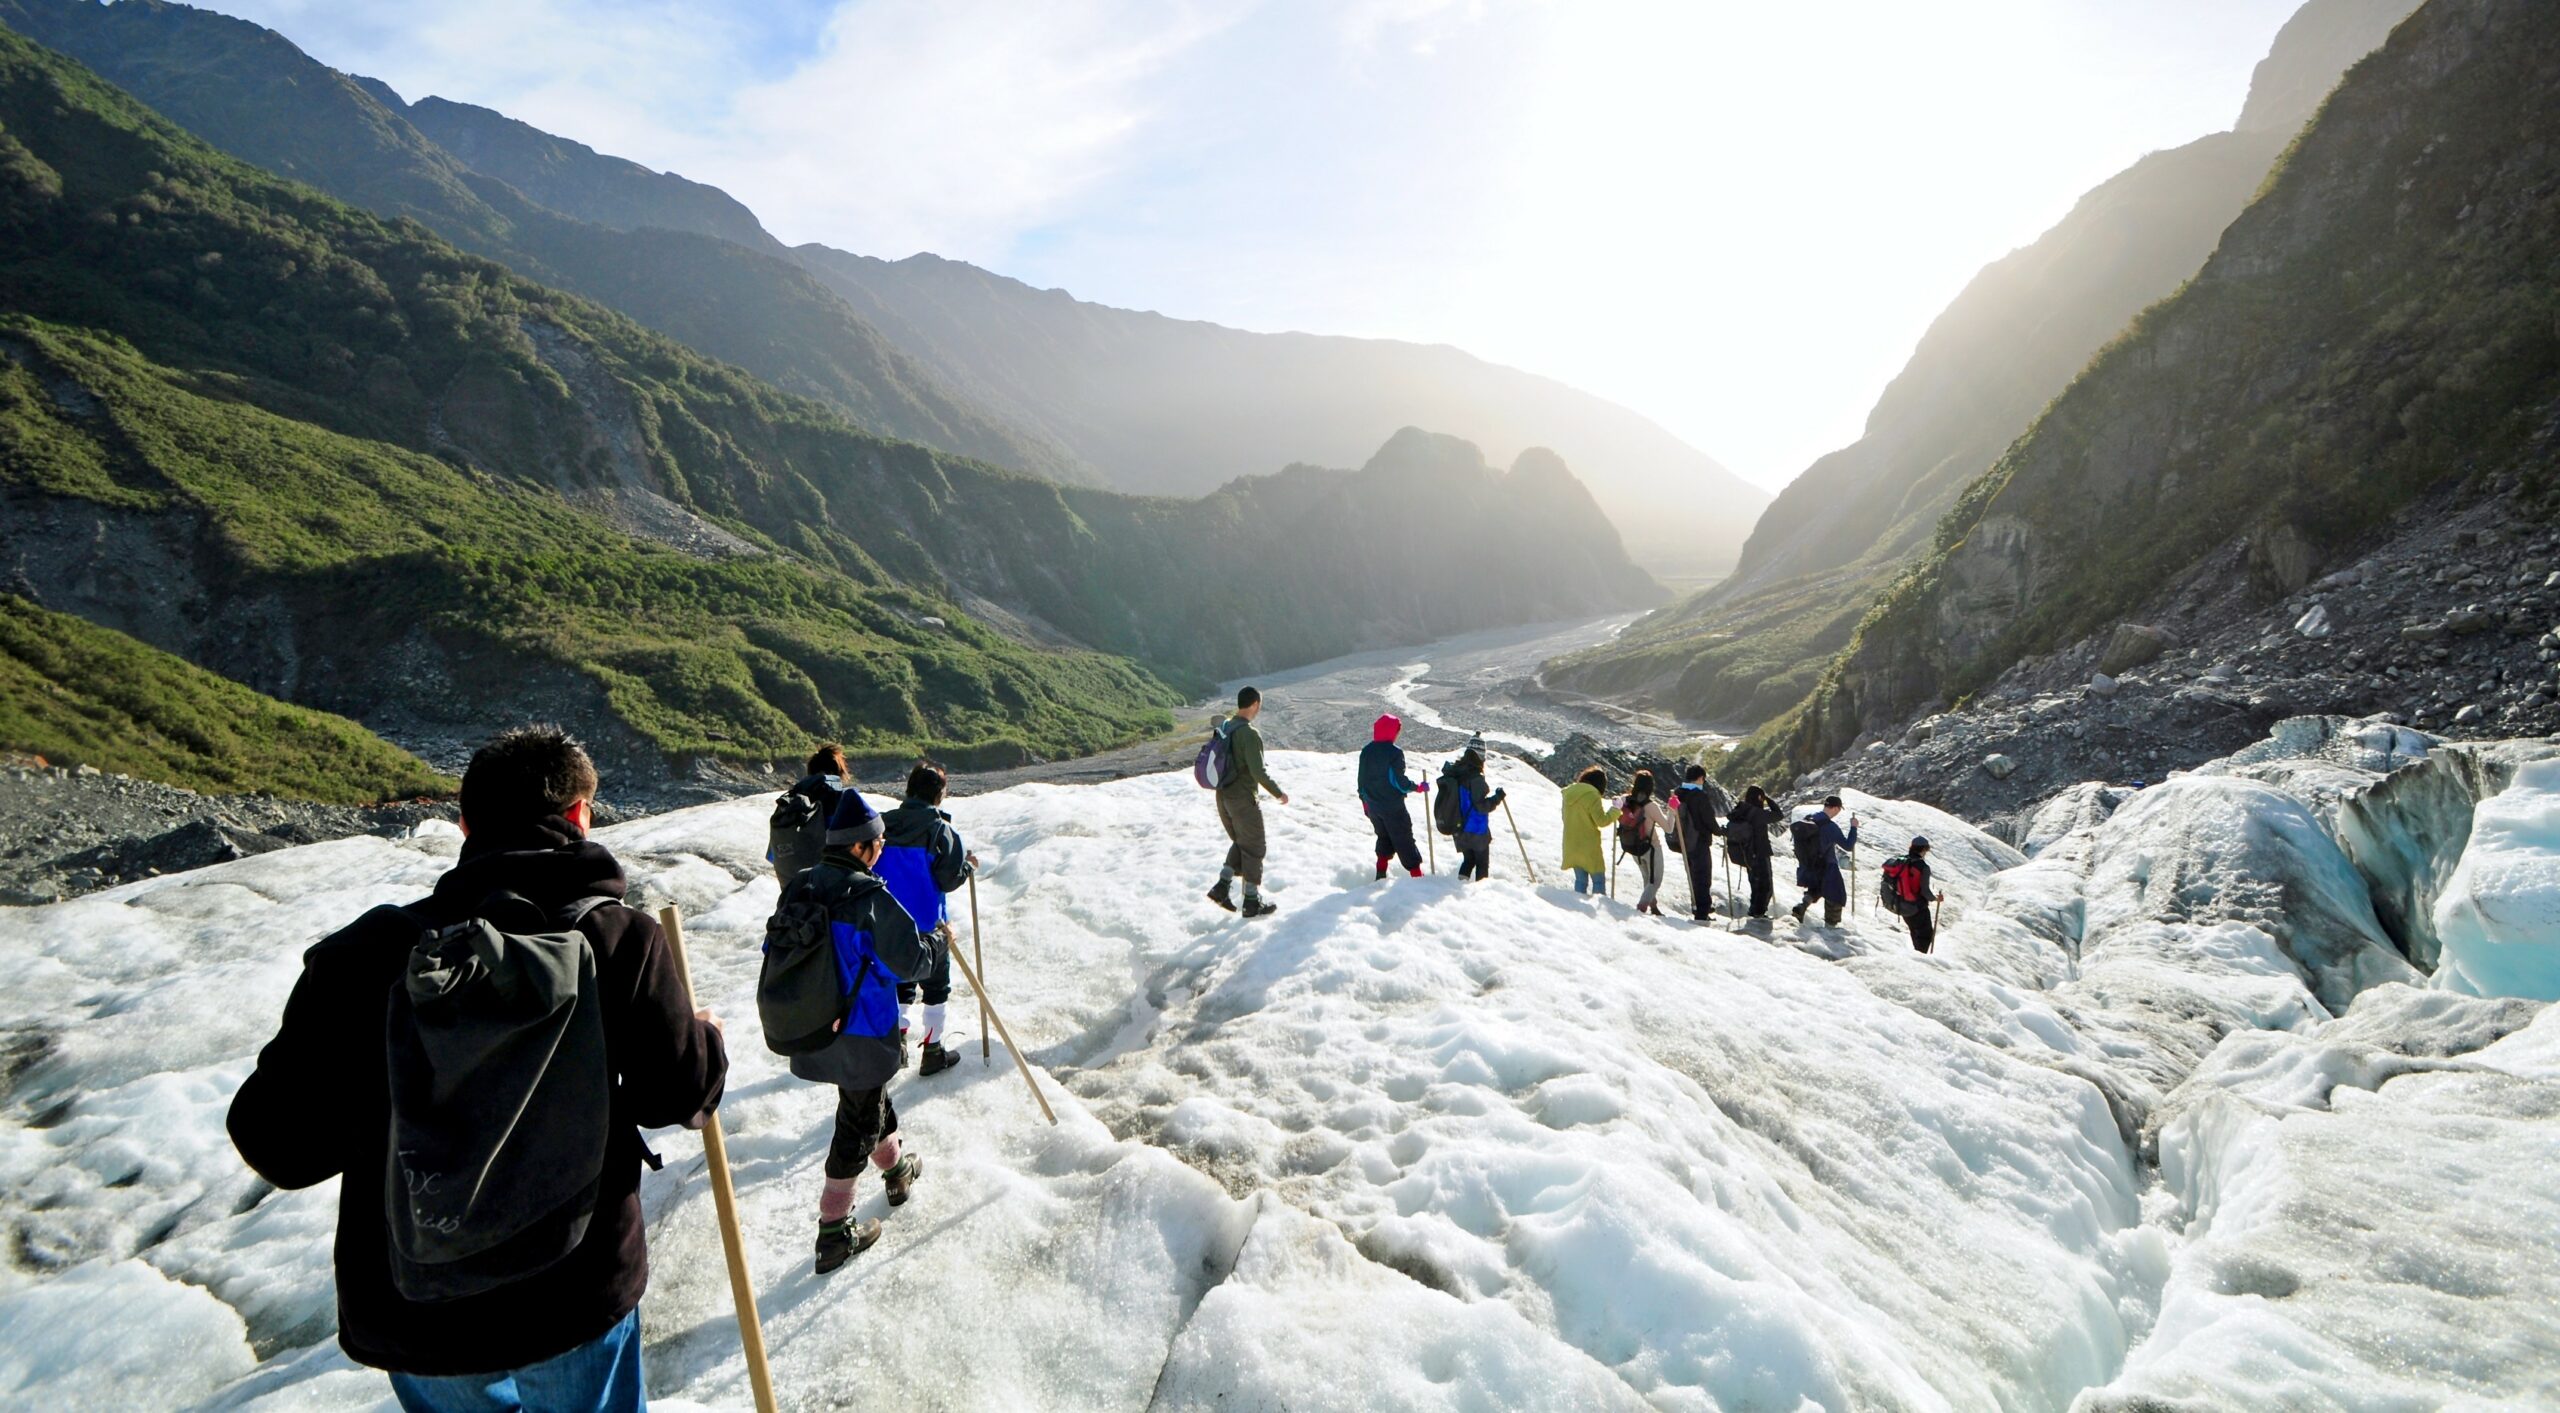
(1735, 218)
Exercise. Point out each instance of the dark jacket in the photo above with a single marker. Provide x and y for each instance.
(1383, 783)
(1244, 751)
(923, 860)
(1697, 808)
(870, 918)
(317, 1107)
(1746, 833)
(1830, 840)
(1476, 798)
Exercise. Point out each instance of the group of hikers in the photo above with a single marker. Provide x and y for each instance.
(1648, 822)
(477, 1066)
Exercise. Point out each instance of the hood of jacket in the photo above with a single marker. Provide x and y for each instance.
(546, 861)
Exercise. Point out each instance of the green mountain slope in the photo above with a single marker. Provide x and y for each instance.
(1840, 533)
(353, 467)
(2385, 317)
(77, 694)
(250, 92)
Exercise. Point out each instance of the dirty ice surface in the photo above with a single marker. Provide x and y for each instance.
(1420, 1145)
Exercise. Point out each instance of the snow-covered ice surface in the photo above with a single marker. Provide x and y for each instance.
(2499, 919)
(1419, 1145)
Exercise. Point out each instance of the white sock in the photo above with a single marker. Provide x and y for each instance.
(907, 1017)
(933, 1022)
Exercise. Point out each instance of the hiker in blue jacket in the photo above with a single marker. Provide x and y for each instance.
(1819, 874)
(1476, 802)
(924, 861)
(1383, 786)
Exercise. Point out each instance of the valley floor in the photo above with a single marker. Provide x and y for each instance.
(2166, 1118)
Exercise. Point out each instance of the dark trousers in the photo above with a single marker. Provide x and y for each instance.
(863, 1118)
(1700, 860)
(1924, 927)
(1475, 855)
(1242, 815)
(1764, 884)
(1393, 825)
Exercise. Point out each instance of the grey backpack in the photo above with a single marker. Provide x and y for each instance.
(795, 835)
(501, 1099)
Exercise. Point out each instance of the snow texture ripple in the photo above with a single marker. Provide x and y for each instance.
(2166, 1121)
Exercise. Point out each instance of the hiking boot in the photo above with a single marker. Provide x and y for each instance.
(1382, 871)
(1257, 907)
(841, 1241)
(937, 1058)
(1797, 912)
(900, 1178)
(1223, 896)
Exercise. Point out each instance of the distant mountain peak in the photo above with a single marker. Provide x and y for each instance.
(2321, 42)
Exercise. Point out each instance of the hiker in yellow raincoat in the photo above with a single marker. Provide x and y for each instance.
(1586, 816)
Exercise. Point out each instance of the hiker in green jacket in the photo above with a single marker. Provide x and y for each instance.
(1240, 809)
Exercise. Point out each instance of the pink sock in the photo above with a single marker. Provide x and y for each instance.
(835, 1199)
(885, 1156)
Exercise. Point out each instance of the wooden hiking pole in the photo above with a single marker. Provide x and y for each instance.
(1510, 819)
(1430, 830)
(724, 1200)
(981, 953)
(1010, 1048)
(1614, 851)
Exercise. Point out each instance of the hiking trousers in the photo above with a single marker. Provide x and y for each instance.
(1649, 868)
(1924, 927)
(936, 985)
(1764, 884)
(864, 1118)
(1394, 828)
(1242, 815)
(1700, 860)
(1475, 855)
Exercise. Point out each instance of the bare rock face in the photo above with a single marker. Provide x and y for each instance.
(2133, 645)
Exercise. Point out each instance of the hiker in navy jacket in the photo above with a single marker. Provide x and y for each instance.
(1694, 810)
(1383, 786)
(923, 861)
(318, 1104)
(1820, 876)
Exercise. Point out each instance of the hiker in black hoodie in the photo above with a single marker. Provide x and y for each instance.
(1746, 842)
(318, 1104)
(1694, 811)
(923, 861)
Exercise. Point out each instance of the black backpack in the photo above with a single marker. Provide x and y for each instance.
(1449, 809)
(1807, 837)
(795, 835)
(802, 995)
(501, 1099)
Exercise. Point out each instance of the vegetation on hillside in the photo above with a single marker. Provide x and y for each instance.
(78, 694)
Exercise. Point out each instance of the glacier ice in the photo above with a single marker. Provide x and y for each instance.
(2498, 920)
(1428, 1145)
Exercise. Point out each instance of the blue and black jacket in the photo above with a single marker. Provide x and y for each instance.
(877, 946)
(923, 861)
(1383, 783)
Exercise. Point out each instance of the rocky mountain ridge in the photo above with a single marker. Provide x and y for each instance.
(1834, 540)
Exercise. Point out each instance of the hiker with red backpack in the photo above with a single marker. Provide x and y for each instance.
(476, 1068)
(1641, 822)
(1231, 764)
(1907, 894)
(1464, 811)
